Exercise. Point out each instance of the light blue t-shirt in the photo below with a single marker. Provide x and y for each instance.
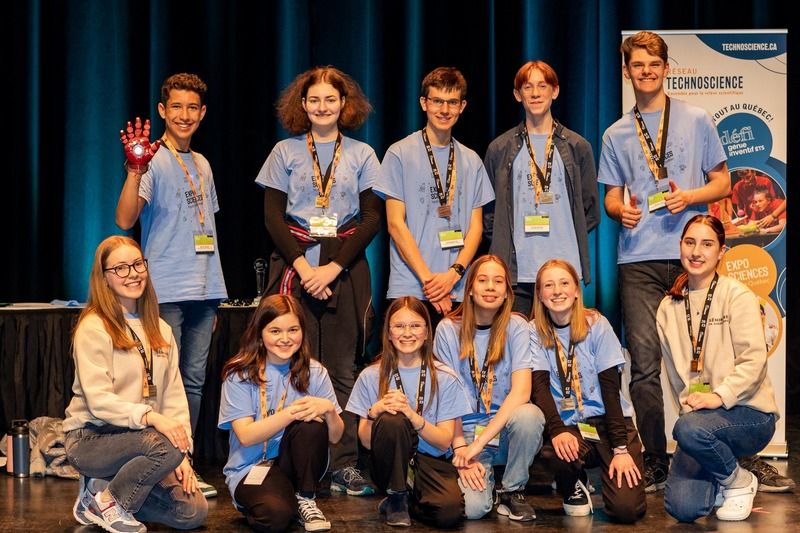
(290, 169)
(449, 403)
(693, 148)
(517, 356)
(170, 221)
(241, 399)
(599, 351)
(406, 175)
(534, 249)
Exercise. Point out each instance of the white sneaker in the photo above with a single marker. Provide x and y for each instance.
(112, 517)
(88, 488)
(738, 502)
(310, 515)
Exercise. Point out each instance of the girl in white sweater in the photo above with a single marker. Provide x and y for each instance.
(127, 425)
(716, 359)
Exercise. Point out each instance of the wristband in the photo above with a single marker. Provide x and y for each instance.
(369, 414)
(459, 447)
(622, 450)
(421, 427)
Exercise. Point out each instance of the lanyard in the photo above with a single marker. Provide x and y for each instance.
(423, 375)
(264, 413)
(655, 159)
(445, 197)
(148, 387)
(324, 183)
(568, 370)
(697, 346)
(486, 381)
(541, 179)
(200, 214)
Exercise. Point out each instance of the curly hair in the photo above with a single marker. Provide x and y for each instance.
(184, 81)
(290, 104)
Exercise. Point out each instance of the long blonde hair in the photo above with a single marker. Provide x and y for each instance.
(465, 314)
(103, 301)
(581, 316)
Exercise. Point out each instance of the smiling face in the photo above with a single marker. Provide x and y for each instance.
(127, 289)
(282, 338)
(490, 289)
(558, 291)
(407, 332)
(701, 252)
(536, 95)
(646, 72)
(442, 107)
(323, 103)
(182, 115)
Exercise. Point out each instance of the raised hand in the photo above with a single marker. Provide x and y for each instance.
(138, 149)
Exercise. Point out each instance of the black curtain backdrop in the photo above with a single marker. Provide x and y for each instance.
(80, 69)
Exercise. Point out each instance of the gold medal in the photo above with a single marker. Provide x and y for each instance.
(546, 198)
(696, 365)
(445, 211)
(662, 173)
(321, 202)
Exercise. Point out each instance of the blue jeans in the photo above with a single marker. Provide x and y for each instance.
(642, 286)
(520, 441)
(709, 441)
(140, 467)
(192, 324)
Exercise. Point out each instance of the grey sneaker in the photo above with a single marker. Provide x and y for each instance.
(394, 508)
(310, 515)
(209, 491)
(88, 488)
(514, 506)
(769, 480)
(112, 517)
(579, 503)
(351, 481)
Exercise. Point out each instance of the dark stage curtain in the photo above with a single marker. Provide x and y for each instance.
(81, 69)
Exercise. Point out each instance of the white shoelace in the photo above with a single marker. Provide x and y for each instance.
(309, 509)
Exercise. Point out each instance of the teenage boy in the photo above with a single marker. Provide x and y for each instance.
(669, 157)
(544, 177)
(172, 192)
(434, 188)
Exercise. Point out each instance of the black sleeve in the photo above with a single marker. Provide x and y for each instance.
(371, 210)
(488, 209)
(274, 211)
(540, 395)
(615, 420)
(591, 200)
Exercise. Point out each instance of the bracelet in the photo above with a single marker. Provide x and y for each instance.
(623, 450)
(369, 414)
(421, 427)
(459, 447)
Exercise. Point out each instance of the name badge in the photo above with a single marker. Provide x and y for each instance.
(658, 199)
(203, 243)
(546, 197)
(258, 473)
(567, 404)
(323, 225)
(588, 432)
(494, 443)
(699, 386)
(537, 224)
(451, 238)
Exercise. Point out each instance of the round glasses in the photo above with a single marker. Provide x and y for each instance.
(124, 270)
(398, 329)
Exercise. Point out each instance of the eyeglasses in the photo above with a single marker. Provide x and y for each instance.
(415, 327)
(436, 103)
(124, 270)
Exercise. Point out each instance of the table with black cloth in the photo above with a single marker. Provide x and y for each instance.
(37, 370)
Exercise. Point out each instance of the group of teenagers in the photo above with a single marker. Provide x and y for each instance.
(485, 363)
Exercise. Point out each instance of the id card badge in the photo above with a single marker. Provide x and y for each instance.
(658, 199)
(258, 473)
(323, 225)
(588, 432)
(698, 384)
(451, 238)
(537, 224)
(203, 243)
(494, 443)
(567, 404)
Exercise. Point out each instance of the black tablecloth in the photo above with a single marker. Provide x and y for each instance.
(36, 368)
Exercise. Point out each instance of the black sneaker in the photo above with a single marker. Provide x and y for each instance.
(514, 506)
(351, 481)
(310, 515)
(579, 503)
(769, 480)
(394, 508)
(655, 475)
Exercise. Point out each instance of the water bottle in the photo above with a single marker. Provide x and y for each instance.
(21, 448)
(9, 454)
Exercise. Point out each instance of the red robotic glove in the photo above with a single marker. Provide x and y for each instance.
(138, 149)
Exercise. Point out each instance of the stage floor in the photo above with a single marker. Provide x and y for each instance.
(45, 505)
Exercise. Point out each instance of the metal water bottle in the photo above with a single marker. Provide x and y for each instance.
(20, 436)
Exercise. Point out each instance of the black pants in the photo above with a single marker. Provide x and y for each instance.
(301, 462)
(524, 293)
(435, 499)
(623, 504)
